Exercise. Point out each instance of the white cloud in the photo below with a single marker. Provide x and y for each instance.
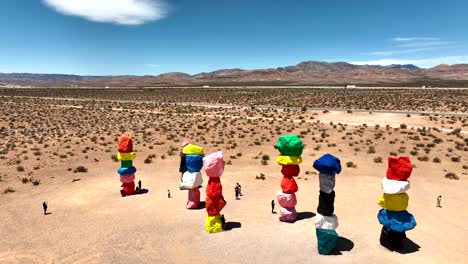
(123, 12)
(424, 63)
(150, 65)
(428, 43)
(395, 52)
(412, 39)
(412, 45)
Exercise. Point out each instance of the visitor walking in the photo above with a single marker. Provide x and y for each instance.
(439, 201)
(240, 189)
(236, 190)
(44, 206)
(168, 194)
(272, 206)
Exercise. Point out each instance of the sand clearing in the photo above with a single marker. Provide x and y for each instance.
(91, 223)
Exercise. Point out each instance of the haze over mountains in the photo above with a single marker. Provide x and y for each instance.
(304, 73)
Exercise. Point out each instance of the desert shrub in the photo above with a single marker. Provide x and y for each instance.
(393, 153)
(260, 177)
(371, 150)
(350, 164)
(414, 152)
(35, 182)
(452, 176)
(455, 159)
(80, 169)
(436, 160)
(20, 168)
(148, 160)
(403, 126)
(114, 157)
(423, 158)
(9, 190)
(378, 160)
(24, 180)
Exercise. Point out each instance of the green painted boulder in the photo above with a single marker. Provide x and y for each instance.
(126, 163)
(290, 145)
(326, 240)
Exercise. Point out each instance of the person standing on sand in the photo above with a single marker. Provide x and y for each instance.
(44, 206)
(236, 190)
(439, 201)
(139, 184)
(240, 189)
(272, 206)
(168, 194)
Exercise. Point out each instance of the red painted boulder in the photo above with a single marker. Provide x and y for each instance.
(399, 168)
(214, 205)
(289, 185)
(125, 144)
(290, 170)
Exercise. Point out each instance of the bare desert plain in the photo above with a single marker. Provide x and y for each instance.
(59, 146)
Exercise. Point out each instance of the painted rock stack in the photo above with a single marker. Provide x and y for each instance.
(214, 168)
(126, 171)
(326, 221)
(290, 148)
(192, 179)
(394, 201)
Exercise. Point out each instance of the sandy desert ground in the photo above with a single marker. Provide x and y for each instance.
(47, 134)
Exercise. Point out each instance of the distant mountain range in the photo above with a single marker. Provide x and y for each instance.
(304, 73)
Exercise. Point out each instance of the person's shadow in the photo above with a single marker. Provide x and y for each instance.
(343, 244)
(408, 247)
(48, 213)
(231, 225)
(140, 191)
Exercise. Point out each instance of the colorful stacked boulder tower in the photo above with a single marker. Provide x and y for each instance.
(290, 148)
(394, 201)
(126, 171)
(192, 179)
(214, 168)
(326, 221)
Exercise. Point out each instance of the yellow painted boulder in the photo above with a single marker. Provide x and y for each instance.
(394, 202)
(289, 160)
(213, 224)
(126, 156)
(192, 149)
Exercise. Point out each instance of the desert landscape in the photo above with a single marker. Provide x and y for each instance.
(59, 145)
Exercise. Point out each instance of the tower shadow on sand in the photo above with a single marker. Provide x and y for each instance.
(343, 244)
(408, 247)
(304, 215)
(231, 225)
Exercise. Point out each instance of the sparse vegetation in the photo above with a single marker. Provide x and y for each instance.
(80, 169)
(8, 190)
(452, 176)
(260, 177)
(378, 160)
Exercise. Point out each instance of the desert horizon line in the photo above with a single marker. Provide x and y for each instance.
(233, 68)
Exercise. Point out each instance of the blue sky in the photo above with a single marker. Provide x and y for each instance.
(113, 37)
